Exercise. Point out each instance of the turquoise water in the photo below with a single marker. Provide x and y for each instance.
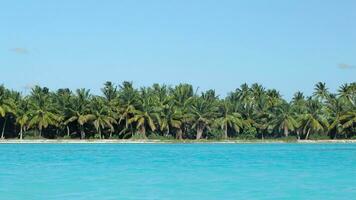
(177, 171)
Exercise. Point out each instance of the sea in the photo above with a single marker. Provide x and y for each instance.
(177, 171)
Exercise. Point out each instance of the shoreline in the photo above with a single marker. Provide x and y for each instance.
(148, 141)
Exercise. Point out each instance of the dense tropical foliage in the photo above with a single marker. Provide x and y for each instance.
(177, 112)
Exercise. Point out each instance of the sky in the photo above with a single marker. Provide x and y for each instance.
(211, 44)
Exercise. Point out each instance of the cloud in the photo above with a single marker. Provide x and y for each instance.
(19, 50)
(29, 86)
(346, 66)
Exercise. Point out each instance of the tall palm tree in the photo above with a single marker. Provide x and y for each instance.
(257, 92)
(181, 94)
(171, 117)
(260, 110)
(22, 120)
(314, 118)
(110, 91)
(348, 119)
(347, 92)
(182, 97)
(274, 98)
(22, 116)
(7, 106)
(101, 117)
(128, 100)
(164, 105)
(335, 109)
(42, 111)
(321, 91)
(63, 102)
(80, 110)
(229, 119)
(284, 118)
(203, 110)
(145, 116)
(243, 94)
(298, 104)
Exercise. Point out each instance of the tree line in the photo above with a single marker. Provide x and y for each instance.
(160, 111)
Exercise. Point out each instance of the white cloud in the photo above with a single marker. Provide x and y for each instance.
(19, 50)
(346, 66)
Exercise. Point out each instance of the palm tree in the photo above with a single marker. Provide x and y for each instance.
(171, 117)
(63, 102)
(229, 118)
(314, 119)
(274, 98)
(164, 104)
(7, 106)
(179, 111)
(110, 91)
(80, 110)
(22, 120)
(299, 109)
(321, 91)
(243, 94)
(284, 118)
(182, 97)
(260, 111)
(101, 118)
(126, 105)
(348, 119)
(203, 110)
(257, 92)
(22, 117)
(335, 109)
(145, 115)
(42, 112)
(42, 117)
(181, 94)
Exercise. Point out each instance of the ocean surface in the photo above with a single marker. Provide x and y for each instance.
(177, 171)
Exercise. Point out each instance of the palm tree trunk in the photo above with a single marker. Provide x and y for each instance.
(68, 131)
(99, 131)
(3, 129)
(179, 134)
(143, 132)
(286, 132)
(184, 131)
(306, 137)
(40, 132)
(167, 132)
(298, 134)
(82, 133)
(131, 130)
(199, 132)
(21, 133)
(225, 132)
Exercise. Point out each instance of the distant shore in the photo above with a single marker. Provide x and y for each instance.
(150, 141)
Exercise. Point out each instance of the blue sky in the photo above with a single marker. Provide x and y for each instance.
(287, 45)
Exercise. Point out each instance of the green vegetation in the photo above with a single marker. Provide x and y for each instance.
(162, 112)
